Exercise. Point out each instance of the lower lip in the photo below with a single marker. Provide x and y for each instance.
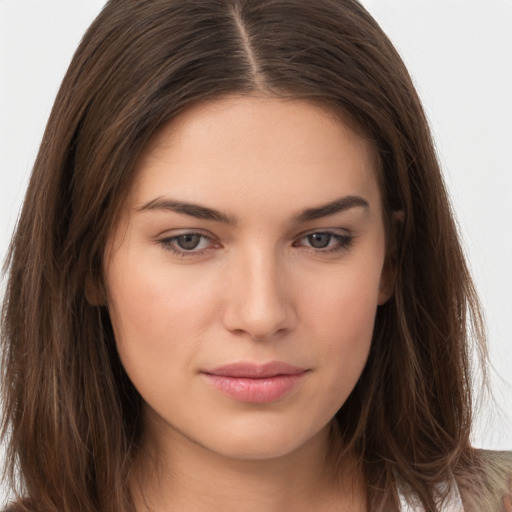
(255, 391)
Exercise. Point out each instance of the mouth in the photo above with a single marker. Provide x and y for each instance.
(255, 383)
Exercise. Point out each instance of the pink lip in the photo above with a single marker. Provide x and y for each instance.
(254, 383)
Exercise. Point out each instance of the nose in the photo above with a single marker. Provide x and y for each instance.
(259, 301)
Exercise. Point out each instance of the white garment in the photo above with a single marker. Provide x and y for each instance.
(453, 502)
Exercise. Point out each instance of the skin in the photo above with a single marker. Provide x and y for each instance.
(257, 288)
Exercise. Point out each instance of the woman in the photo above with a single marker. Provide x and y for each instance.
(236, 277)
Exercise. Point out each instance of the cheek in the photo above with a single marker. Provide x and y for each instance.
(158, 319)
(346, 302)
(342, 316)
(347, 332)
(156, 298)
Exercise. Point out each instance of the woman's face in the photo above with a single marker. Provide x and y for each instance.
(244, 276)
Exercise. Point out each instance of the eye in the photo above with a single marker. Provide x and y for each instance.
(319, 240)
(189, 241)
(187, 244)
(325, 241)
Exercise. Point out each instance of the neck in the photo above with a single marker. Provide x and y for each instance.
(182, 475)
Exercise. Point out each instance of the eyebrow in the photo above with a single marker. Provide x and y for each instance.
(190, 209)
(332, 208)
(203, 212)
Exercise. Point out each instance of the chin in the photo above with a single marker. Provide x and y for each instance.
(265, 441)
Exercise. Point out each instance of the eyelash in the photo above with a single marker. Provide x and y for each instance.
(344, 242)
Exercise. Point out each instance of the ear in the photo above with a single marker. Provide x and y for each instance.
(94, 291)
(389, 269)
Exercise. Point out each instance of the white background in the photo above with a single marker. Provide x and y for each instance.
(459, 54)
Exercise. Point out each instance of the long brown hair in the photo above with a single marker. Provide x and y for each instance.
(71, 414)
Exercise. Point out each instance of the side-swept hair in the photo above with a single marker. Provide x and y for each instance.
(71, 414)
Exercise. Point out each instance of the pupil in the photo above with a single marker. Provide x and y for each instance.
(319, 240)
(188, 242)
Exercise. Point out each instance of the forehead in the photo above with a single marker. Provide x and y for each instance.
(256, 148)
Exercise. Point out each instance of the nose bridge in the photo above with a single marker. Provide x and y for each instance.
(259, 304)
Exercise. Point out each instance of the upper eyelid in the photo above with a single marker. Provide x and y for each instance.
(175, 233)
(332, 231)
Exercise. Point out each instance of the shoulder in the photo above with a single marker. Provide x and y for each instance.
(489, 486)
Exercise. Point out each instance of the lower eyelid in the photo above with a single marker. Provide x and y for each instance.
(169, 243)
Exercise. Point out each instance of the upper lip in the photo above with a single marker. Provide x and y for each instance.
(255, 371)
